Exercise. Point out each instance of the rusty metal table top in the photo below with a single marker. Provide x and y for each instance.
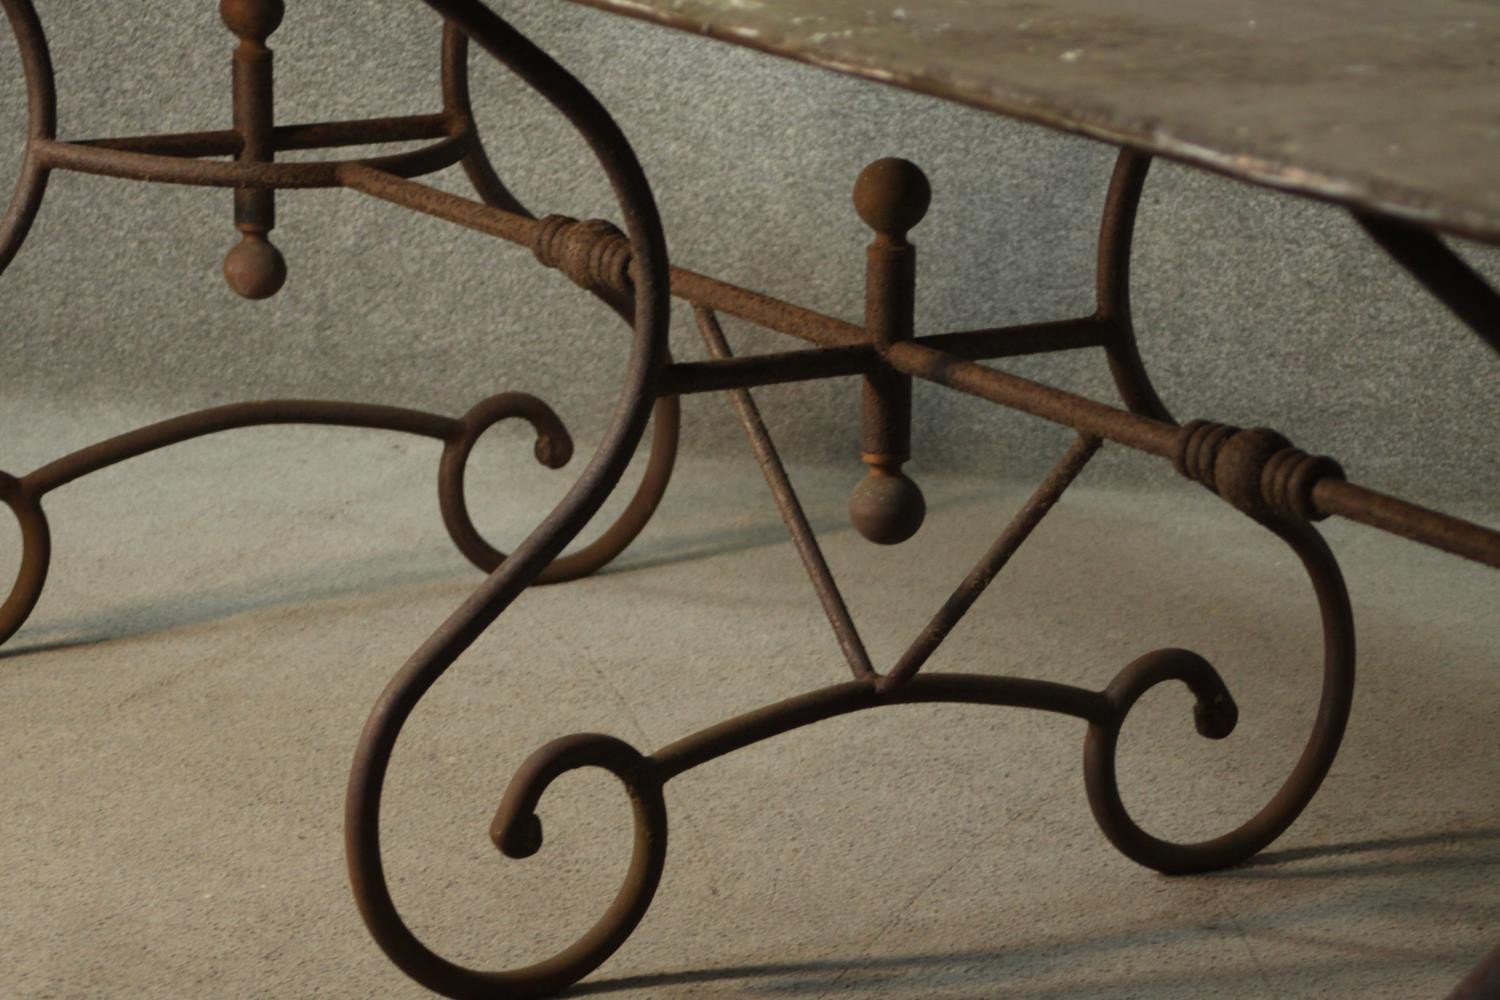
(1391, 106)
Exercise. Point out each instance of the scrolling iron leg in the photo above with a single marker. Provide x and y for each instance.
(649, 278)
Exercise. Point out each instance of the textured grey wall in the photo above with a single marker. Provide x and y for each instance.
(1252, 307)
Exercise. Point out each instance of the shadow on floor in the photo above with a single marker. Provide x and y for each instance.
(1014, 975)
(173, 610)
(388, 571)
(1062, 968)
(1481, 847)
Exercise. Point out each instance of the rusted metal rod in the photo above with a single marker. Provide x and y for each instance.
(829, 331)
(1330, 496)
(310, 135)
(476, 215)
(891, 196)
(41, 126)
(853, 696)
(848, 354)
(1112, 286)
(649, 358)
(989, 566)
(730, 373)
(729, 299)
(921, 359)
(1057, 405)
(215, 173)
(803, 537)
(222, 418)
(254, 268)
(1400, 517)
(1023, 339)
(689, 377)
(763, 310)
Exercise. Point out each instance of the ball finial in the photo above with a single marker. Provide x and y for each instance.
(253, 19)
(892, 195)
(886, 507)
(255, 269)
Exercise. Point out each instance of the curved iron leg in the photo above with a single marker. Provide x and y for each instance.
(41, 124)
(1112, 283)
(1134, 384)
(21, 212)
(1216, 719)
(667, 413)
(525, 564)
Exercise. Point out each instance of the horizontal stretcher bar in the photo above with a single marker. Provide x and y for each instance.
(849, 350)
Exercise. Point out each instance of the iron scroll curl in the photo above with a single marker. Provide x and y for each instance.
(649, 357)
(667, 413)
(1284, 510)
(1216, 715)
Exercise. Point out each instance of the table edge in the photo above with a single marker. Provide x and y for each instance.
(1388, 200)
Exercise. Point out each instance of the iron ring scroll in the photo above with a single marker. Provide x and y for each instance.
(648, 358)
(517, 832)
(553, 449)
(1216, 716)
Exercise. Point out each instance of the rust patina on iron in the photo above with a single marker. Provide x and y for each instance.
(1256, 470)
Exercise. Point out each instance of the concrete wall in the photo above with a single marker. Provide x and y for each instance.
(1252, 307)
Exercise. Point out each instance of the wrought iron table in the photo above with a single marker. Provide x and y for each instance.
(1272, 94)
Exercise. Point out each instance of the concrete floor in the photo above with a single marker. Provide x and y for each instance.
(177, 719)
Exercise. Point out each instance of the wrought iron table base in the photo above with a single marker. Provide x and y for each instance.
(1256, 470)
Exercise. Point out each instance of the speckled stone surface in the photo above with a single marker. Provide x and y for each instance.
(1389, 104)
